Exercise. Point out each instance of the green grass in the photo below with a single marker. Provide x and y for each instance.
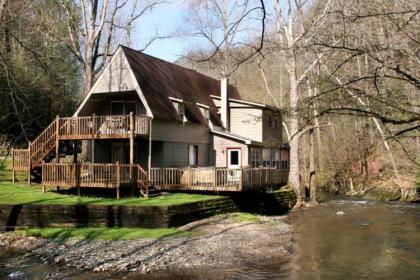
(89, 233)
(16, 193)
(6, 172)
(243, 216)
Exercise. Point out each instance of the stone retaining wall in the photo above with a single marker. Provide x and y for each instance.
(19, 216)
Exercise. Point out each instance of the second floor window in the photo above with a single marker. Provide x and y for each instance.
(272, 123)
(180, 109)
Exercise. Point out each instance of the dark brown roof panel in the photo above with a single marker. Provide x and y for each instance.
(159, 80)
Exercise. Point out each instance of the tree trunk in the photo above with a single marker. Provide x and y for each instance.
(294, 180)
(312, 169)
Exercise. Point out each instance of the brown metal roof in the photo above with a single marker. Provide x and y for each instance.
(159, 80)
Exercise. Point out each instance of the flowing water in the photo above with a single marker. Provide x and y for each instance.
(340, 239)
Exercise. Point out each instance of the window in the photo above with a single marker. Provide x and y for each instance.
(117, 107)
(284, 164)
(123, 107)
(180, 109)
(193, 155)
(272, 123)
(255, 157)
(206, 113)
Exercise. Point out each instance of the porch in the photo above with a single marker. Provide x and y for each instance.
(115, 175)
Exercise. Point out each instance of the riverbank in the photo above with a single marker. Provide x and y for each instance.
(220, 241)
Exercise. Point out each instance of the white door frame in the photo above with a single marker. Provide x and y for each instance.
(234, 166)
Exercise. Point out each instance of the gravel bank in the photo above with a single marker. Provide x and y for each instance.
(220, 241)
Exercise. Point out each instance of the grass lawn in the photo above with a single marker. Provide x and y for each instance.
(18, 193)
(90, 233)
(6, 172)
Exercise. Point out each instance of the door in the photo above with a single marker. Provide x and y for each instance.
(234, 162)
(234, 158)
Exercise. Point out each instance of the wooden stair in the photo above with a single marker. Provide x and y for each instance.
(42, 149)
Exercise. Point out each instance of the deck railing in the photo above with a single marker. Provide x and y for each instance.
(20, 159)
(115, 175)
(78, 128)
(116, 126)
(216, 179)
(96, 175)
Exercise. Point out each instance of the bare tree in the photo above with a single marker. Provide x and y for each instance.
(295, 33)
(93, 26)
(225, 29)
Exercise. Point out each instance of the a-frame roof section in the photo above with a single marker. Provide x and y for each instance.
(117, 77)
(159, 80)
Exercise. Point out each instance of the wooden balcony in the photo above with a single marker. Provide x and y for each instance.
(102, 127)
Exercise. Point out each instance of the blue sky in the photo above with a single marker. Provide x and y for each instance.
(167, 19)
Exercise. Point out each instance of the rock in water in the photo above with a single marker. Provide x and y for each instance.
(16, 275)
(340, 213)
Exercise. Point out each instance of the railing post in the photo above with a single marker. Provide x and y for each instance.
(13, 165)
(57, 139)
(118, 179)
(189, 183)
(43, 177)
(260, 173)
(215, 178)
(93, 138)
(29, 163)
(241, 179)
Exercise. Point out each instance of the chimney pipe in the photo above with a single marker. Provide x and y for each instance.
(224, 102)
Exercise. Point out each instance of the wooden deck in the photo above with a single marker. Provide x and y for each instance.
(88, 175)
(94, 175)
(78, 128)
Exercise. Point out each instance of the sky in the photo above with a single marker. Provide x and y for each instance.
(166, 19)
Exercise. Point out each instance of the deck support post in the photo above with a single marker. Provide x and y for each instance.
(149, 156)
(132, 152)
(13, 166)
(29, 163)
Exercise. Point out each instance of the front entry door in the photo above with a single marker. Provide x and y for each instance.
(234, 162)
(234, 158)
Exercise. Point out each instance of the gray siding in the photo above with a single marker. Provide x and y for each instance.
(178, 132)
(117, 76)
(175, 154)
(247, 122)
(220, 146)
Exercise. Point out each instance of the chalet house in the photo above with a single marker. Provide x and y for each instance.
(154, 123)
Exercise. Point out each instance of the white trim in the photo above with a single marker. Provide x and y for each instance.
(245, 102)
(176, 99)
(229, 157)
(221, 133)
(202, 105)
